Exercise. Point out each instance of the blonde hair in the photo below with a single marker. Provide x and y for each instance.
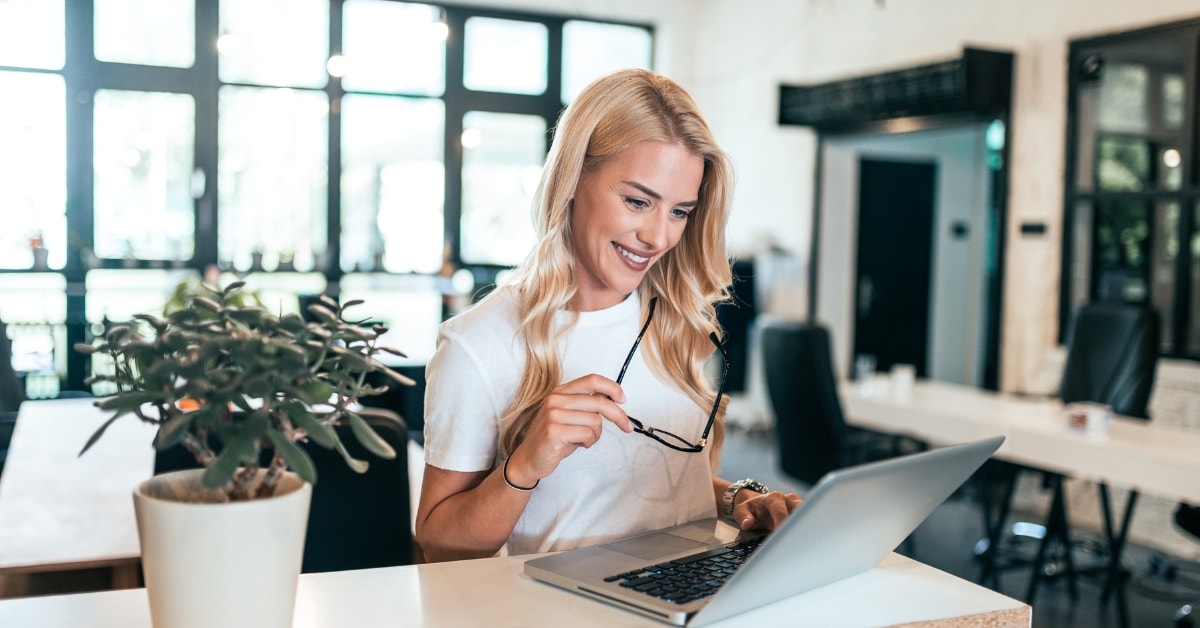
(614, 112)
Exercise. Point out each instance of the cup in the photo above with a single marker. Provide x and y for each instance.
(902, 378)
(864, 372)
(1088, 417)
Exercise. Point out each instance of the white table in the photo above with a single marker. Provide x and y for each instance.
(1136, 454)
(1139, 455)
(60, 511)
(495, 592)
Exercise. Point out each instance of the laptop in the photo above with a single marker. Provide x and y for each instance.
(850, 521)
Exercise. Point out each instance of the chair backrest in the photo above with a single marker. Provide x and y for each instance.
(1112, 355)
(355, 520)
(809, 424)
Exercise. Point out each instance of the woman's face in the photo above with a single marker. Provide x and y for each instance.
(627, 214)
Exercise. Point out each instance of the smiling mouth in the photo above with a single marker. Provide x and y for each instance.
(631, 255)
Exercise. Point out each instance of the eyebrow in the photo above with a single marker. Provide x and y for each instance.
(655, 195)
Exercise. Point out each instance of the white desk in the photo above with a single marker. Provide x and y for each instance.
(60, 511)
(1139, 455)
(495, 592)
(1135, 454)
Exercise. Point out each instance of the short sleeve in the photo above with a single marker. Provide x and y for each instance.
(462, 410)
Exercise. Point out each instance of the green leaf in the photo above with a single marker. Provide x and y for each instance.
(295, 457)
(221, 471)
(316, 392)
(320, 433)
(173, 430)
(358, 466)
(368, 438)
(97, 434)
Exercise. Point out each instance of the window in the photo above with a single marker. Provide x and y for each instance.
(369, 146)
(1132, 178)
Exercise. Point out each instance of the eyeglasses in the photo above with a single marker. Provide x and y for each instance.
(674, 441)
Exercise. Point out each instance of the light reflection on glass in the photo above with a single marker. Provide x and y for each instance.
(505, 56)
(393, 47)
(149, 32)
(142, 159)
(258, 45)
(271, 170)
(32, 34)
(392, 184)
(32, 165)
(500, 176)
(591, 49)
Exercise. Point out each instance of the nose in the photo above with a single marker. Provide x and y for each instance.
(654, 231)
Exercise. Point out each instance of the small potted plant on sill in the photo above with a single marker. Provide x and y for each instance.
(231, 383)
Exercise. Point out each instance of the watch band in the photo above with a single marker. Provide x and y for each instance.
(731, 492)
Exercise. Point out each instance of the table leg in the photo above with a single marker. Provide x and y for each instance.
(1115, 582)
(126, 576)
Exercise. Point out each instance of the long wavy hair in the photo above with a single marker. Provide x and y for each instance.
(614, 112)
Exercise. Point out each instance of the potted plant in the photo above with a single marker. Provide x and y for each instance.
(239, 388)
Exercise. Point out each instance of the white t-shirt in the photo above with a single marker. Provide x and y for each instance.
(625, 484)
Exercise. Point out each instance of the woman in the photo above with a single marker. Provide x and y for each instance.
(534, 394)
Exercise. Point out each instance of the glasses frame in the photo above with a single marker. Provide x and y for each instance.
(654, 432)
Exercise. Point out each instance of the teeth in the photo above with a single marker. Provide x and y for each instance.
(637, 258)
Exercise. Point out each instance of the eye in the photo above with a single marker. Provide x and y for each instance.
(679, 213)
(636, 203)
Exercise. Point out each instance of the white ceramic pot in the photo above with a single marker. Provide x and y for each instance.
(221, 564)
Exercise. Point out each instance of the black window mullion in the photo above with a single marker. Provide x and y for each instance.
(79, 178)
(457, 98)
(333, 185)
(205, 93)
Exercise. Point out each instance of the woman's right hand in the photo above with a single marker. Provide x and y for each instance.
(572, 416)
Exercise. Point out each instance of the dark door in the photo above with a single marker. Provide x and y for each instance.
(895, 234)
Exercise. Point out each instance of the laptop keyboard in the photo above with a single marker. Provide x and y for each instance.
(689, 578)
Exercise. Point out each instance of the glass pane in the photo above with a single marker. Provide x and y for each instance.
(1193, 332)
(591, 49)
(272, 178)
(375, 33)
(280, 292)
(257, 45)
(409, 305)
(1162, 274)
(32, 34)
(502, 161)
(1131, 90)
(1173, 99)
(143, 168)
(33, 307)
(392, 184)
(1123, 164)
(505, 56)
(1122, 248)
(148, 32)
(32, 171)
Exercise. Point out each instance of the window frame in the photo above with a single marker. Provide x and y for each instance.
(1186, 197)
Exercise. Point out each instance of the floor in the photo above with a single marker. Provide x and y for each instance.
(947, 538)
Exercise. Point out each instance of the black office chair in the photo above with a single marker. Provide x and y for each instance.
(811, 431)
(1112, 356)
(355, 520)
(12, 394)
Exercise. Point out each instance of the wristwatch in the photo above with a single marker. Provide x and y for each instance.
(727, 498)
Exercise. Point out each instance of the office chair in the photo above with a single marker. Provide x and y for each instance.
(1112, 356)
(355, 520)
(811, 431)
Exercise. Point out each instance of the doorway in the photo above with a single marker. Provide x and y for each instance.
(963, 246)
(894, 257)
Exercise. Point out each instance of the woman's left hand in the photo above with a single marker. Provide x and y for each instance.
(764, 512)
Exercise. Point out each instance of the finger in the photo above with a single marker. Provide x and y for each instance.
(598, 405)
(777, 511)
(593, 385)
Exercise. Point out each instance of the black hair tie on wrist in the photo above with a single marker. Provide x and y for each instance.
(504, 474)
